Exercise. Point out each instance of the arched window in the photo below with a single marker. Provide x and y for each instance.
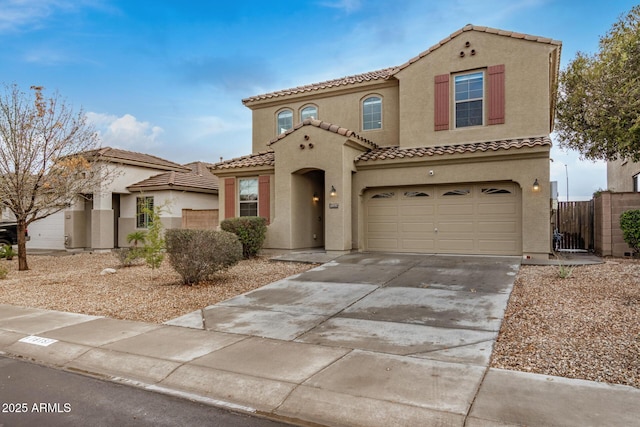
(285, 121)
(310, 112)
(372, 113)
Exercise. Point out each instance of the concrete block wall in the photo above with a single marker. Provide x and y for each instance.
(608, 235)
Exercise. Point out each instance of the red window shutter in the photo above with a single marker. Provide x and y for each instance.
(441, 107)
(229, 197)
(264, 197)
(495, 94)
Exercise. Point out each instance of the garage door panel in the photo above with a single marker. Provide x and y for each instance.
(498, 227)
(390, 211)
(498, 246)
(417, 227)
(455, 227)
(497, 209)
(456, 209)
(419, 245)
(416, 211)
(382, 227)
(382, 244)
(461, 245)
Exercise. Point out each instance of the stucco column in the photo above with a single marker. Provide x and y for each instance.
(102, 221)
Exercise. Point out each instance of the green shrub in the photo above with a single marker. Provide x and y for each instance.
(6, 251)
(128, 256)
(251, 230)
(198, 254)
(4, 272)
(630, 225)
(153, 239)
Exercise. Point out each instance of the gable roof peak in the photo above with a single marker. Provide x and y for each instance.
(488, 30)
(325, 126)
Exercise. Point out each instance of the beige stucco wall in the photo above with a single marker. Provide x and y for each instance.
(527, 89)
(522, 169)
(341, 108)
(295, 217)
(608, 237)
(620, 175)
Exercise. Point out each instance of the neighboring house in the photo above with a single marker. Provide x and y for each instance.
(623, 176)
(438, 155)
(104, 218)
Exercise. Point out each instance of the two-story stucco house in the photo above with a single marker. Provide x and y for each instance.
(447, 153)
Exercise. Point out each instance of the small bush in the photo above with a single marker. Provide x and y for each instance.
(630, 226)
(4, 272)
(128, 256)
(251, 230)
(197, 254)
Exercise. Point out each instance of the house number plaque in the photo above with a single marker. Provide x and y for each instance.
(333, 205)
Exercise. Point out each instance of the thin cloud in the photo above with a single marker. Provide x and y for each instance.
(348, 6)
(25, 15)
(125, 132)
(234, 74)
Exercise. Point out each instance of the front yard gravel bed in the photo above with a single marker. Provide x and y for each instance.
(586, 326)
(73, 283)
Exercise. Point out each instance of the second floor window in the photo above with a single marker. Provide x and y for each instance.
(372, 113)
(285, 121)
(144, 206)
(469, 98)
(309, 112)
(636, 183)
(248, 189)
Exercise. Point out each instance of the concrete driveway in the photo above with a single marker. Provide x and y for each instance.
(447, 308)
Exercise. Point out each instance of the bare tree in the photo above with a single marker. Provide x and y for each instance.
(42, 167)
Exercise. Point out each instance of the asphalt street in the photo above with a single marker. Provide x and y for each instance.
(33, 395)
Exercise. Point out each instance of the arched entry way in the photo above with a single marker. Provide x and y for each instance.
(307, 219)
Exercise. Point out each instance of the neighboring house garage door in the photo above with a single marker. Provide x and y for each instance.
(460, 218)
(47, 233)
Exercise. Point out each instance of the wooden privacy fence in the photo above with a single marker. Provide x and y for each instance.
(575, 226)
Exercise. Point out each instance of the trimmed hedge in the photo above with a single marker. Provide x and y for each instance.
(630, 226)
(198, 254)
(251, 230)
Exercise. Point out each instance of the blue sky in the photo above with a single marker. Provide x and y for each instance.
(167, 77)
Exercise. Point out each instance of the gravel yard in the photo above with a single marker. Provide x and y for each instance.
(73, 283)
(585, 326)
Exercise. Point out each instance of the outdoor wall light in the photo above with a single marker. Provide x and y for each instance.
(315, 197)
(536, 185)
(333, 191)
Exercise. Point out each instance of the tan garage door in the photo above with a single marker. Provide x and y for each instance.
(461, 218)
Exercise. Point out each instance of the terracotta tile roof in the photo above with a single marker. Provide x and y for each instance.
(389, 153)
(343, 81)
(387, 73)
(326, 126)
(470, 27)
(117, 155)
(199, 178)
(264, 158)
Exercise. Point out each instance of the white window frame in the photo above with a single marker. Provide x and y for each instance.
(143, 220)
(244, 203)
(280, 125)
(457, 102)
(372, 120)
(311, 116)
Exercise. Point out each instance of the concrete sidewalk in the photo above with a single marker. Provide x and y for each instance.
(385, 348)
